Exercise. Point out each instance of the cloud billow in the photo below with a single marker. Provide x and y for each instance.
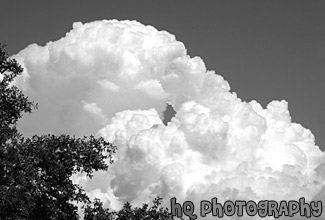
(114, 78)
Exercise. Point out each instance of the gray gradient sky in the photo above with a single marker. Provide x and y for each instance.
(266, 50)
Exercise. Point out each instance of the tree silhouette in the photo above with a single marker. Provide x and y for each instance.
(13, 103)
(155, 212)
(35, 172)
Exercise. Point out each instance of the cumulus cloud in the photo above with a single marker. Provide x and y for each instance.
(114, 78)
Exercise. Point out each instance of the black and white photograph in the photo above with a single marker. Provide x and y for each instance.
(162, 110)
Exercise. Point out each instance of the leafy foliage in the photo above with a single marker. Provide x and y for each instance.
(155, 212)
(13, 103)
(96, 211)
(35, 172)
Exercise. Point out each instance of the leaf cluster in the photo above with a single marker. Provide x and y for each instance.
(35, 173)
(155, 212)
(13, 103)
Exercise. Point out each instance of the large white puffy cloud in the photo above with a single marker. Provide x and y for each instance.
(114, 78)
(96, 68)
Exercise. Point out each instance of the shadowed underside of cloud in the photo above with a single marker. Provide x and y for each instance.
(114, 78)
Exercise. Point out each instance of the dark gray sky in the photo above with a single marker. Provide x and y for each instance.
(265, 49)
